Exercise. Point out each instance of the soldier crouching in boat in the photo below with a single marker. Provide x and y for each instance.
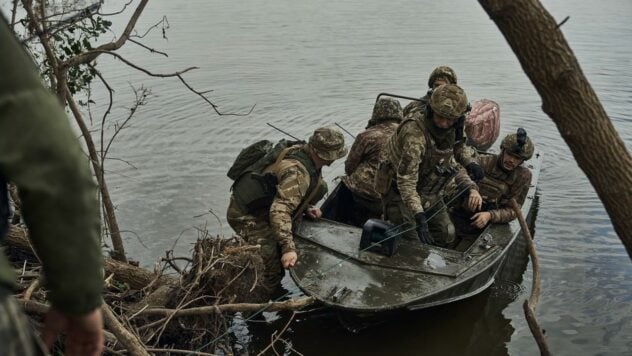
(297, 182)
(363, 158)
(505, 178)
(417, 165)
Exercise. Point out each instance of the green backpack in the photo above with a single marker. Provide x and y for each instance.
(257, 156)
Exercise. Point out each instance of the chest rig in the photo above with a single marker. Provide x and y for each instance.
(437, 167)
(495, 186)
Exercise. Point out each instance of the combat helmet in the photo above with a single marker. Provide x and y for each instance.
(449, 101)
(442, 71)
(386, 109)
(518, 144)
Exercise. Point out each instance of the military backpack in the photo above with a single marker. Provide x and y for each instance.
(253, 189)
(258, 156)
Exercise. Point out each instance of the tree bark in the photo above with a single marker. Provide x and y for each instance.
(136, 277)
(569, 100)
(110, 214)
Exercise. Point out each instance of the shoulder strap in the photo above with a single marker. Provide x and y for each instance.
(305, 203)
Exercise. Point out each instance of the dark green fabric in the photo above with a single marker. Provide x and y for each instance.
(41, 155)
(444, 138)
(254, 191)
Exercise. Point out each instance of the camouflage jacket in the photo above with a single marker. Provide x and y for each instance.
(405, 151)
(415, 107)
(363, 158)
(293, 183)
(499, 186)
(463, 153)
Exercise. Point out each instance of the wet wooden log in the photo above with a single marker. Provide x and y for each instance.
(135, 277)
(291, 304)
(530, 304)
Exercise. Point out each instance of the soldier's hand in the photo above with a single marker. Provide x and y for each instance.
(475, 171)
(313, 213)
(480, 220)
(84, 333)
(422, 229)
(289, 259)
(474, 201)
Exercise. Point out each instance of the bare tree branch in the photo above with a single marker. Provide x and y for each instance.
(92, 55)
(117, 12)
(161, 22)
(148, 48)
(291, 304)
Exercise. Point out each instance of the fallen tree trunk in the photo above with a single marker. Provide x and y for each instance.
(135, 277)
(569, 100)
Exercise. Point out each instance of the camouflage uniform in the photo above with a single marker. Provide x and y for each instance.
(416, 109)
(442, 72)
(363, 158)
(497, 188)
(271, 227)
(417, 164)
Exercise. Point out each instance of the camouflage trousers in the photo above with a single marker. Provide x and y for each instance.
(362, 208)
(16, 335)
(466, 234)
(439, 223)
(256, 230)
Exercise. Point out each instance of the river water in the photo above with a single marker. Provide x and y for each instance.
(307, 64)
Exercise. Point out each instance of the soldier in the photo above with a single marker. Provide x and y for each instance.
(505, 178)
(418, 162)
(464, 154)
(439, 76)
(297, 172)
(40, 154)
(363, 158)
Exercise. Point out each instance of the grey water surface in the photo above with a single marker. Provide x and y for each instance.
(304, 64)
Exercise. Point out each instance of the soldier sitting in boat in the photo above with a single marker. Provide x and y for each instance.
(464, 154)
(363, 158)
(505, 178)
(262, 210)
(417, 164)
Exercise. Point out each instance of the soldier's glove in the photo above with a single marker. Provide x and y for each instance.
(475, 171)
(422, 229)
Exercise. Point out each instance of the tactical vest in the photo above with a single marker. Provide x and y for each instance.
(495, 185)
(4, 208)
(437, 166)
(255, 191)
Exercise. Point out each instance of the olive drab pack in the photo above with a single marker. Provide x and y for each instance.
(4, 208)
(254, 190)
(257, 156)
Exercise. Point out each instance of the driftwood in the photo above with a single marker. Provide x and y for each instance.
(157, 313)
(530, 304)
(129, 340)
(291, 304)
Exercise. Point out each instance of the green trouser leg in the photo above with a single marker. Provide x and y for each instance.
(256, 230)
(397, 213)
(440, 226)
(16, 335)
